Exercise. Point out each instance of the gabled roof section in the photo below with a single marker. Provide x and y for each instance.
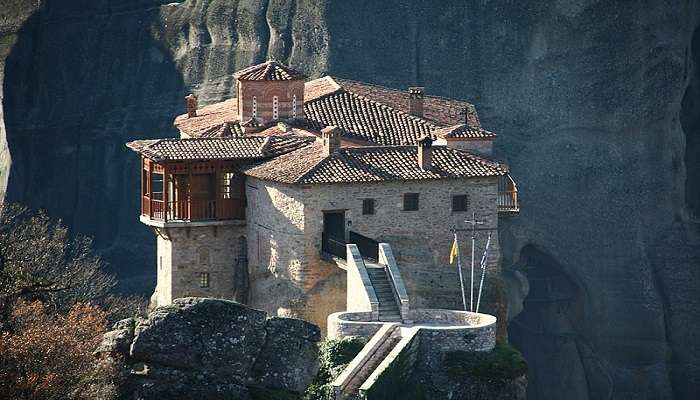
(270, 70)
(250, 147)
(438, 110)
(365, 119)
(463, 131)
(372, 164)
(209, 120)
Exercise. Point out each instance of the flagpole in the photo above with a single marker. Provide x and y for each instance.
(483, 270)
(459, 266)
(471, 286)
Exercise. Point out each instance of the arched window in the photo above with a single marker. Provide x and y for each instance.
(294, 106)
(275, 107)
(255, 106)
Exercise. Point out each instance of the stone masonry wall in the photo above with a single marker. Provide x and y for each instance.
(185, 253)
(285, 223)
(420, 240)
(275, 216)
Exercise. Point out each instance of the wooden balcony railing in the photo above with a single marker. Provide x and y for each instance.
(507, 195)
(193, 209)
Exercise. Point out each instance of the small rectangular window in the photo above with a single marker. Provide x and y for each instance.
(275, 107)
(368, 207)
(204, 279)
(460, 202)
(410, 202)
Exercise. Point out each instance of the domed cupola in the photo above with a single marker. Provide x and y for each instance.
(269, 92)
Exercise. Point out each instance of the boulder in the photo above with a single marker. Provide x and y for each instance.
(213, 349)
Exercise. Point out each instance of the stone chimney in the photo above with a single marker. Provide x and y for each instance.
(191, 101)
(425, 152)
(415, 101)
(331, 140)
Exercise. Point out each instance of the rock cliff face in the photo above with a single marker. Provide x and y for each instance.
(596, 104)
(213, 349)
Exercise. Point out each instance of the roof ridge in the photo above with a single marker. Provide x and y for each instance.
(419, 119)
(311, 169)
(399, 90)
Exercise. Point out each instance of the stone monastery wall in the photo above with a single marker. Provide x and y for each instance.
(184, 254)
(285, 224)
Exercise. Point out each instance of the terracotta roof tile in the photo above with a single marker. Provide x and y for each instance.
(249, 147)
(372, 164)
(462, 131)
(439, 110)
(365, 119)
(209, 119)
(268, 71)
(320, 87)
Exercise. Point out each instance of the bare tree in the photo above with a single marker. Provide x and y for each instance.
(39, 260)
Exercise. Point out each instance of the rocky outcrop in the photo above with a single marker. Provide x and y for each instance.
(213, 349)
(595, 103)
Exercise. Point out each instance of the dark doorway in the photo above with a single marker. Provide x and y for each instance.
(334, 224)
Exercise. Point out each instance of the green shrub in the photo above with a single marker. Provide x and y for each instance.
(334, 356)
(503, 364)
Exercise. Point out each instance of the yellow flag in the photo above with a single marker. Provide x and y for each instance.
(454, 251)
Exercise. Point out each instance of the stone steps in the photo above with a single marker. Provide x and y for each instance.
(388, 309)
(351, 391)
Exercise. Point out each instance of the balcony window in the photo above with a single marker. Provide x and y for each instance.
(157, 186)
(410, 202)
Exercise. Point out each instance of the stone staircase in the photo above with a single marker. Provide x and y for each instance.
(388, 308)
(376, 350)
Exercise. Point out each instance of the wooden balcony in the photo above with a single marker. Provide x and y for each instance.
(185, 192)
(507, 195)
(192, 210)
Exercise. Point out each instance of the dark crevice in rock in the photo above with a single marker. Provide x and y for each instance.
(690, 121)
(546, 328)
(264, 30)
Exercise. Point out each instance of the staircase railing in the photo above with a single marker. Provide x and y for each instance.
(369, 248)
(333, 245)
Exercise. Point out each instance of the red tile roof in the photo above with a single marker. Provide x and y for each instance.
(438, 110)
(268, 71)
(249, 147)
(308, 165)
(365, 119)
(209, 119)
(462, 131)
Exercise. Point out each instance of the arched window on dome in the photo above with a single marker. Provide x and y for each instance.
(294, 106)
(275, 107)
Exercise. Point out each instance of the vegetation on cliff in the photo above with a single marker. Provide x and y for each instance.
(334, 356)
(55, 304)
(499, 366)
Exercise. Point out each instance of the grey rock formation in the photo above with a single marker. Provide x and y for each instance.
(595, 103)
(213, 348)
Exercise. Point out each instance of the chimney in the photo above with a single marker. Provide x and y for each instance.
(415, 101)
(191, 101)
(331, 140)
(425, 152)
